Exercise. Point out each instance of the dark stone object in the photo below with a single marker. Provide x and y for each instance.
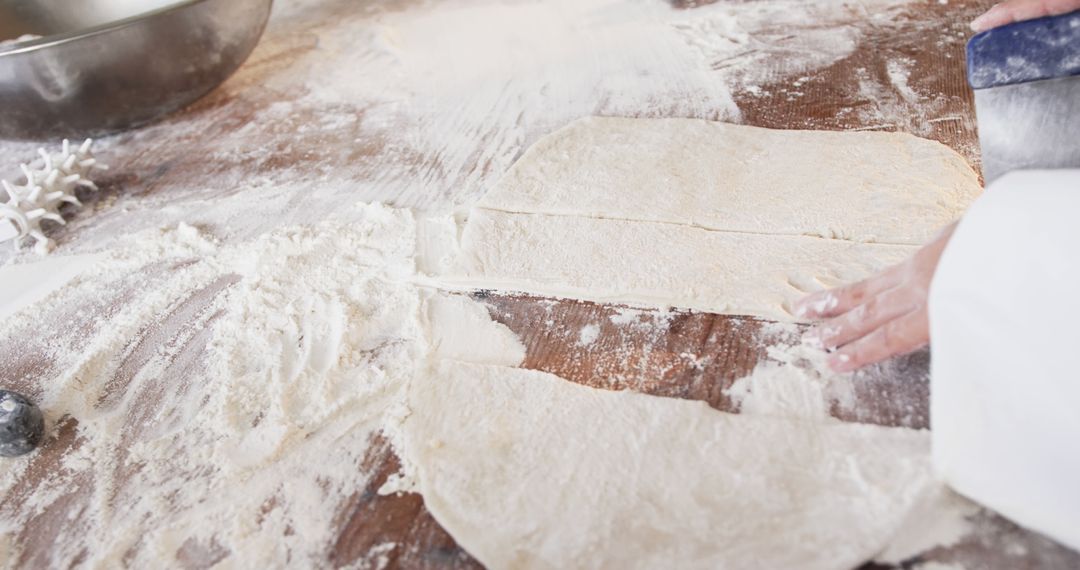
(22, 425)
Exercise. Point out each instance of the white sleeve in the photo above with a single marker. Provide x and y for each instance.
(1005, 340)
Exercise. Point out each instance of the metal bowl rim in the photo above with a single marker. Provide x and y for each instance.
(57, 39)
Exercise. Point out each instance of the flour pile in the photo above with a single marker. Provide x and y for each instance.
(226, 423)
(794, 382)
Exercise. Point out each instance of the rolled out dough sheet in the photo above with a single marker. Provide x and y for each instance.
(862, 186)
(709, 216)
(527, 470)
(662, 264)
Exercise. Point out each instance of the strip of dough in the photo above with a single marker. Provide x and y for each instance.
(861, 186)
(526, 470)
(649, 263)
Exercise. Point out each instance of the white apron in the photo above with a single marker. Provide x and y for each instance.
(1005, 338)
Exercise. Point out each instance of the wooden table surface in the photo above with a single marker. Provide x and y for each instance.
(267, 150)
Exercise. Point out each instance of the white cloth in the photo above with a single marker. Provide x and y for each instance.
(1005, 334)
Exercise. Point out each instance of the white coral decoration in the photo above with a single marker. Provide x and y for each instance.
(50, 183)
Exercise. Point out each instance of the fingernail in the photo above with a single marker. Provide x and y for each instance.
(826, 303)
(841, 362)
(821, 335)
(979, 24)
(810, 305)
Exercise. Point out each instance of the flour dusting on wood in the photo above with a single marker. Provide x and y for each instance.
(427, 104)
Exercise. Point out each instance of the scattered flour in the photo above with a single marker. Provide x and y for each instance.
(626, 316)
(226, 395)
(899, 72)
(462, 88)
(588, 334)
(749, 43)
(795, 381)
(378, 557)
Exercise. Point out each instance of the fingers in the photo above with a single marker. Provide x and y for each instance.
(865, 318)
(880, 317)
(828, 304)
(899, 336)
(999, 15)
(1021, 10)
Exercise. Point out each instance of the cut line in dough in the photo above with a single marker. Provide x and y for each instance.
(644, 263)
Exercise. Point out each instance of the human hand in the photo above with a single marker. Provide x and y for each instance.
(881, 317)
(1020, 10)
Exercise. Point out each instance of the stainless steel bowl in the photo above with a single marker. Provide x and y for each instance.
(107, 65)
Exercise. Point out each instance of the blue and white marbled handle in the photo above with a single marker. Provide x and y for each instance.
(1044, 48)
